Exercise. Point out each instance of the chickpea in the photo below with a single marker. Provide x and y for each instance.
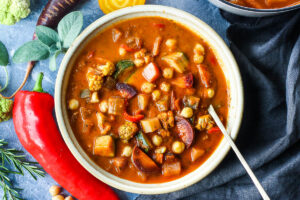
(198, 59)
(69, 198)
(171, 43)
(178, 147)
(73, 104)
(140, 54)
(147, 59)
(54, 190)
(95, 97)
(103, 106)
(164, 86)
(58, 197)
(199, 49)
(156, 94)
(127, 151)
(210, 93)
(139, 62)
(161, 149)
(157, 140)
(147, 87)
(122, 51)
(187, 112)
(168, 73)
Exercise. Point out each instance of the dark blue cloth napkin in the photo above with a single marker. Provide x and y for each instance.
(268, 53)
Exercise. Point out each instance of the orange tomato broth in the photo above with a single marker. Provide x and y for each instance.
(103, 47)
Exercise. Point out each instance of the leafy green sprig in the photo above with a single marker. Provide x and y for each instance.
(50, 43)
(12, 158)
(4, 62)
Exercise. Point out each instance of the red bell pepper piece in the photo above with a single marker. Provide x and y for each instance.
(133, 118)
(38, 133)
(127, 48)
(214, 130)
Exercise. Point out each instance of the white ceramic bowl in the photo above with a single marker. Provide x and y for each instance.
(228, 65)
(250, 12)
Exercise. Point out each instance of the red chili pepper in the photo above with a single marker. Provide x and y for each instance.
(214, 130)
(127, 48)
(38, 133)
(132, 118)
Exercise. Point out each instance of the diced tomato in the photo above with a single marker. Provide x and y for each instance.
(132, 118)
(127, 48)
(214, 130)
(159, 25)
(151, 72)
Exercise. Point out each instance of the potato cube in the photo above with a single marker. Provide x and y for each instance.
(171, 168)
(104, 146)
(196, 153)
(150, 125)
(143, 100)
(116, 105)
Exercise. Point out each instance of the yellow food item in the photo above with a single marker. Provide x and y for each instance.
(108, 6)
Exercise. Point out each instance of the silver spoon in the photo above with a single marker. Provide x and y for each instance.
(261, 190)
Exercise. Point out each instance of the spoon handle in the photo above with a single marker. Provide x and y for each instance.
(261, 190)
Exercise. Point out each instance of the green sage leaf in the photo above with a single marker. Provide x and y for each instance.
(31, 51)
(46, 35)
(53, 48)
(69, 28)
(52, 60)
(7, 79)
(3, 55)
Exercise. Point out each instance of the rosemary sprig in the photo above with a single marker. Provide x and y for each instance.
(13, 162)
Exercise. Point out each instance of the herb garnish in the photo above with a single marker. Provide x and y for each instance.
(50, 43)
(4, 62)
(12, 158)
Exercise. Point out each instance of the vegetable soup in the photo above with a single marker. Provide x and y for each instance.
(265, 4)
(138, 96)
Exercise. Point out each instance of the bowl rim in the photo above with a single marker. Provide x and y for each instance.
(141, 188)
(273, 10)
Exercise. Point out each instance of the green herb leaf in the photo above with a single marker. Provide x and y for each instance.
(46, 35)
(31, 51)
(3, 55)
(121, 66)
(52, 61)
(6, 82)
(69, 27)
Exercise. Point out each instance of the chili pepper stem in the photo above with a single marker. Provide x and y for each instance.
(38, 84)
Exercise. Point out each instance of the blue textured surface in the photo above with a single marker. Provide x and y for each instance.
(14, 36)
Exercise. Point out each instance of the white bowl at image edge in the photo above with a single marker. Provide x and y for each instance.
(227, 63)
